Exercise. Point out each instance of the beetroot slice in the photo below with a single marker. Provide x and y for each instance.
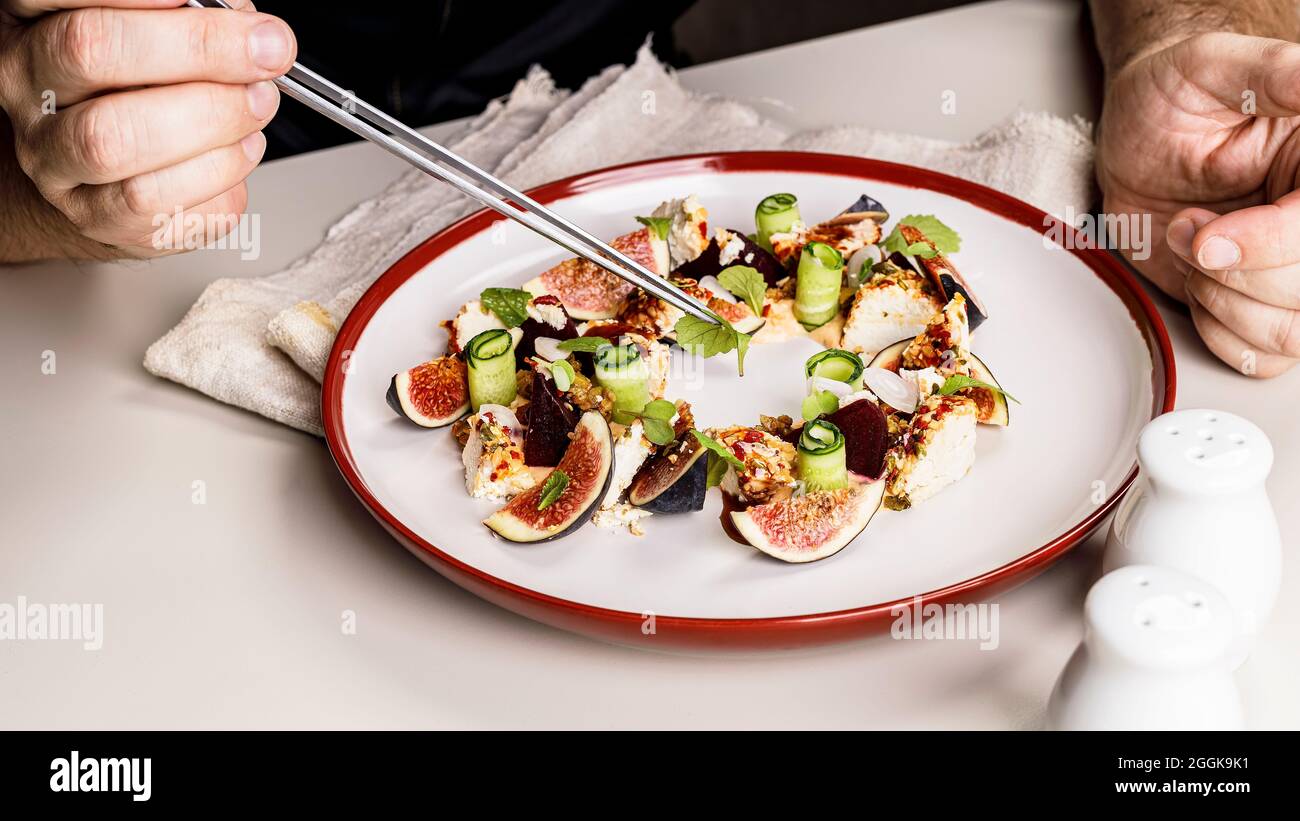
(865, 436)
(755, 256)
(550, 421)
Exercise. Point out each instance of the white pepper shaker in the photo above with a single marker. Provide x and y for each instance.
(1155, 656)
(1199, 505)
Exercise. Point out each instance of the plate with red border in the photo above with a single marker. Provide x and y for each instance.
(1070, 333)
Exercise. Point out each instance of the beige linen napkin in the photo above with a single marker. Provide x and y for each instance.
(261, 344)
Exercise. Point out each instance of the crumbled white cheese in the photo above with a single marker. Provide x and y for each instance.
(472, 320)
(630, 450)
(550, 313)
(927, 380)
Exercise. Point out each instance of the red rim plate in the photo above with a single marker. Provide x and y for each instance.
(766, 633)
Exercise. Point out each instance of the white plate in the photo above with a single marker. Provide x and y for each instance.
(1070, 335)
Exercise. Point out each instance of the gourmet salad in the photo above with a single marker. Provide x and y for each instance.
(557, 391)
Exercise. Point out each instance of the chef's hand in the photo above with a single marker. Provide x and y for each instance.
(122, 112)
(1202, 135)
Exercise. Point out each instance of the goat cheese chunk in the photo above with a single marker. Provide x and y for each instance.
(888, 307)
(936, 449)
(494, 460)
(631, 449)
(688, 235)
(472, 320)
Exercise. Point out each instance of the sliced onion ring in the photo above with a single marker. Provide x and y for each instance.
(549, 349)
(816, 384)
(892, 389)
(504, 417)
(867, 252)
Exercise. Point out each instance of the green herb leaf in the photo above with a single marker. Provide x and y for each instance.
(716, 470)
(746, 283)
(708, 339)
(717, 447)
(509, 304)
(819, 403)
(584, 344)
(553, 488)
(959, 382)
(660, 409)
(946, 240)
(659, 225)
(657, 430)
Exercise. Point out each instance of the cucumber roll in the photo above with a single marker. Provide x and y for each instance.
(774, 215)
(840, 365)
(817, 287)
(821, 457)
(491, 372)
(623, 371)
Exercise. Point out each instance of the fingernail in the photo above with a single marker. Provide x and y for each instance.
(262, 98)
(268, 44)
(254, 144)
(1179, 236)
(1219, 253)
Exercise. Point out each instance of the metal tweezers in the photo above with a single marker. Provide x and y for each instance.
(358, 116)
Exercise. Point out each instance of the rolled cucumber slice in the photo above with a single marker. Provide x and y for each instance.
(624, 372)
(817, 287)
(840, 365)
(774, 215)
(821, 457)
(491, 372)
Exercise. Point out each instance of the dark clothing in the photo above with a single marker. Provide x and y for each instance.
(432, 61)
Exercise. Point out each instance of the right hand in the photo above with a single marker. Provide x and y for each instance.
(124, 111)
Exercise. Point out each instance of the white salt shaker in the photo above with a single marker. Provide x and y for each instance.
(1155, 656)
(1199, 505)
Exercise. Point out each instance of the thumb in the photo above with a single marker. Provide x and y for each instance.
(1251, 239)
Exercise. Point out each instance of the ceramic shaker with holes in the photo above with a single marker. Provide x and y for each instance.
(1156, 655)
(1199, 505)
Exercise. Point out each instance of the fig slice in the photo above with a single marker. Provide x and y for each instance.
(588, 462)
(587, 291)
(431, 395)
(891, 357)
(866, 437)
(992, 405)
(946, 277)
(812, 526)
(550, 421)
(674, 481)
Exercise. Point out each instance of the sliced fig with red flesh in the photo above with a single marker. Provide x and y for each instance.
(550, 421)
(674, 481)
(945, 277)
(590, 292)
(588, 462)
(737, 313)
(552, 310)
(866, 437)
(738, 250)
(812, 526)
(432, 394)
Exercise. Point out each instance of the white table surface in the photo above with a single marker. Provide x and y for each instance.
(228, 614)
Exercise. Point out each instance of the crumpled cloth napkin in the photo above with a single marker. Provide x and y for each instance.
(262, 344)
